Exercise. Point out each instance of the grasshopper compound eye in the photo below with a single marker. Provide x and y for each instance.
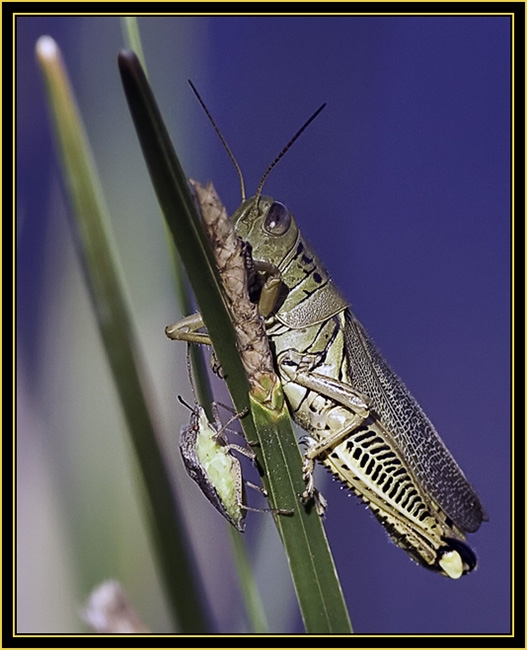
(278, 220)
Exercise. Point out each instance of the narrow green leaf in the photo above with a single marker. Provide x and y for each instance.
(319, 593)
(90, 222)
(132, 37)
(253, 602)
(177, 204)
(251, 596)
(316, 582)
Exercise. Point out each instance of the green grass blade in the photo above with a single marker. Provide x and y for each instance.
(132, 37)
(251, 595)
(256, 614)
(177, 204)
(319, 593)
(315, 578)
(90, 223)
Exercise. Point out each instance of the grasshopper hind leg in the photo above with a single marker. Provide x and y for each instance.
(343, 411)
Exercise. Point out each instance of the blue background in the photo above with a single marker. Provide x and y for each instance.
(402, 185)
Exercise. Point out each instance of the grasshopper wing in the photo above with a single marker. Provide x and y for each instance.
(411, 429)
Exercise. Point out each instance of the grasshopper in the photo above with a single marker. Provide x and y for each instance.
(362, 422)
(209, 461)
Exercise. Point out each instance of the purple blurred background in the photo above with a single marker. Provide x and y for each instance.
(402, 185)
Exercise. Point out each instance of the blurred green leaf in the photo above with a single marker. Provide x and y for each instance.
(251, 596)
(90, 222)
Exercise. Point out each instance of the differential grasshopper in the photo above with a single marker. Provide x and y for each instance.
(362, 422)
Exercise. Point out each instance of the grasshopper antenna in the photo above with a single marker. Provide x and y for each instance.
(185, 403)
(231, 155)
(282, 153)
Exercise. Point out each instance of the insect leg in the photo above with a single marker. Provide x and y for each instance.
(248, 453)
(259, 488)
(351, 408)
(235, 416)
(276, 511)
(187, 330)
(297, 367)
(270, 290)
(318, 448)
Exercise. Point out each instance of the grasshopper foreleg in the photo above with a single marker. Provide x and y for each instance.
(271, 287)
(187, 330)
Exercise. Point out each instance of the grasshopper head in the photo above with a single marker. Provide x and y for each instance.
(269, 227)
